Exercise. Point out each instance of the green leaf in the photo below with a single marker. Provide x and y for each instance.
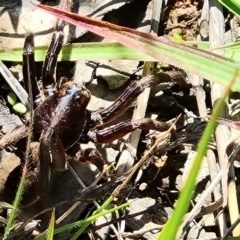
(19, 108)
(12, 98)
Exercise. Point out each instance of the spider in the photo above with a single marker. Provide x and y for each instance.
(61, 120)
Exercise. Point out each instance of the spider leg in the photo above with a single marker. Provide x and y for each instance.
(88, 155)
(29, 72)
(54, 49)
(112, 133)
(110, 113)
(52, 156)
(13, 137)
(91, 155)
(45, 161)
(50, 62)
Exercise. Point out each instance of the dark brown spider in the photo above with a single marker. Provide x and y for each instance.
(62, 121)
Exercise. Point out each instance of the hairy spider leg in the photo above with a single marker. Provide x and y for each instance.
(49, 142)
(125, 100)
(112, 133)
(29, 72)
(50, 62)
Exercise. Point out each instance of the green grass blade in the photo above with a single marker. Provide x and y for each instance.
(96, 51)
(219, 68)
(80, 51)
(16, 204)
(50, 231)
(87, 221)
(97, 214)
(232, 5)
(170, 229)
